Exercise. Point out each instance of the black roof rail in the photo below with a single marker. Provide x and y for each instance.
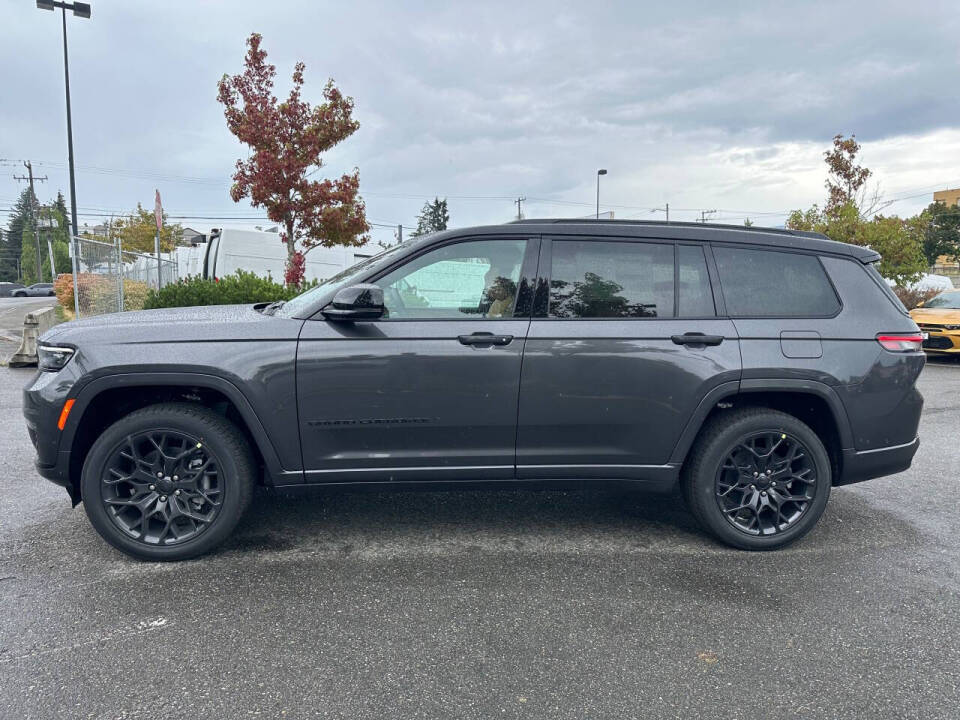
(663, 223)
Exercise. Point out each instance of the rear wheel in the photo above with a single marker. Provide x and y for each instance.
(168, 482)
(757, 479)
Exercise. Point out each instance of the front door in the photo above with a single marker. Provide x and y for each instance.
(429, 392)
(618, 357)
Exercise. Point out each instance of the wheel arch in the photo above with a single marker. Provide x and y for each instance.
(108, 398)
(815, 403)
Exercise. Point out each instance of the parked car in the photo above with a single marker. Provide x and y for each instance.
(753, 368)
(8, 288)
(35, 290)
(939, 320)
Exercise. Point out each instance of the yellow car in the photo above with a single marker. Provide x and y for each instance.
(939, 320)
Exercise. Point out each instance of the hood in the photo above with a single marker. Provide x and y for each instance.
(935, 316)
(205, 323)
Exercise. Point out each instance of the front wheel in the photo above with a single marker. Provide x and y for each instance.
(168, 482)
(757, 479)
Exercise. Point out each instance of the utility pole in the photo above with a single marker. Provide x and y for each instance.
(399, 234)
(665, 209)
(703, 215)
(33, 210)
(518, 202)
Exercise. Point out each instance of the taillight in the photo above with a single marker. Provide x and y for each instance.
(901, 343)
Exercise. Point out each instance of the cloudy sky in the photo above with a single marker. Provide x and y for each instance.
(708, 106)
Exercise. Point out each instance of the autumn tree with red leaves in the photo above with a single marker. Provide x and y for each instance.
(287, 140)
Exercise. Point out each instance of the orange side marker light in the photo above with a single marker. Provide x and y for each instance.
(67, 407)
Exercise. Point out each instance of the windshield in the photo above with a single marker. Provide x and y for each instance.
(947, 300)
(344, 278)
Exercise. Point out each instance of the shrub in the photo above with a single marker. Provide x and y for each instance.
(134, 294)
(98, 293)
(63, 289)
(239, 289)
(911, 298)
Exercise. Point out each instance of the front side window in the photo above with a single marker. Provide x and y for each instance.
(473, 280)
(769, 283)
(600, 279)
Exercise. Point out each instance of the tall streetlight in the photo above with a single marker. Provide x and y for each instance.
(79, 10)
(600, 172)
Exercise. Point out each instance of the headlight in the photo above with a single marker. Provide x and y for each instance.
(51, 358)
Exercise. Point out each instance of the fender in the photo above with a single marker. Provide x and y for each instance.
(275, 472)
(792, 385)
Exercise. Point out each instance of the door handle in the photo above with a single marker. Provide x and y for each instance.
(695, 338)
(484, 339)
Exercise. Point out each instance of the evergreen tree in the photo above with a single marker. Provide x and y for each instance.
(433, 217)
(10, 243)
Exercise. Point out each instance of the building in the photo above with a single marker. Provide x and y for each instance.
(947, 197)
(191, 237)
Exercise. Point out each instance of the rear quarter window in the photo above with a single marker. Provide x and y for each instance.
(771, 283)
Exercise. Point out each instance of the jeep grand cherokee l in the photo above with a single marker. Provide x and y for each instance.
(753, 368)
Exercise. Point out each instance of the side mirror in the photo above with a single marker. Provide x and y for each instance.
(357, 302)
(920, 304)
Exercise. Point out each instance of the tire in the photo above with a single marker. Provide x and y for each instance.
(152, 517)
(19, 294)
(750, 502)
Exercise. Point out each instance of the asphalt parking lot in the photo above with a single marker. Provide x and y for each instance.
(500, 604)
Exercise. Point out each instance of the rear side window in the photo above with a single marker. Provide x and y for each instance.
(768, 283)
(694, 293)
(597, 279)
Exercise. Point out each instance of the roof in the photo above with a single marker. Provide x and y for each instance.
(711, 232)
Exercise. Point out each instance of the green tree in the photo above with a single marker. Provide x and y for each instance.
(849, 217)
(11, 241)
(900, 244)
(137, 231)
(433, 217)
(941, 231)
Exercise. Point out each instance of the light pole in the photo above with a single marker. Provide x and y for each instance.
(600, 172)
(79, 10)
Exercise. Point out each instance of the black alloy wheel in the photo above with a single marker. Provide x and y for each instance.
(168, 482)
(162, 487)
(757, 479)
(766, 483)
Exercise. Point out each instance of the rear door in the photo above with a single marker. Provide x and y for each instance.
(624, 344)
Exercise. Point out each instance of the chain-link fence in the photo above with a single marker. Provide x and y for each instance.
(108, 279)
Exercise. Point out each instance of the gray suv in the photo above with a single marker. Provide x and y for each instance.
(752, 369)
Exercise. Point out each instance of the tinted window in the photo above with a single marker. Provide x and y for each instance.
(469, 280)
(592, 279)
(695, 295)
(770, 283)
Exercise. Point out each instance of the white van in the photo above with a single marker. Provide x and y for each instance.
(262, 253)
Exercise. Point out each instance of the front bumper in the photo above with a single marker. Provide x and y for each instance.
(43, 399)
(941, 341)
(868, 464)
